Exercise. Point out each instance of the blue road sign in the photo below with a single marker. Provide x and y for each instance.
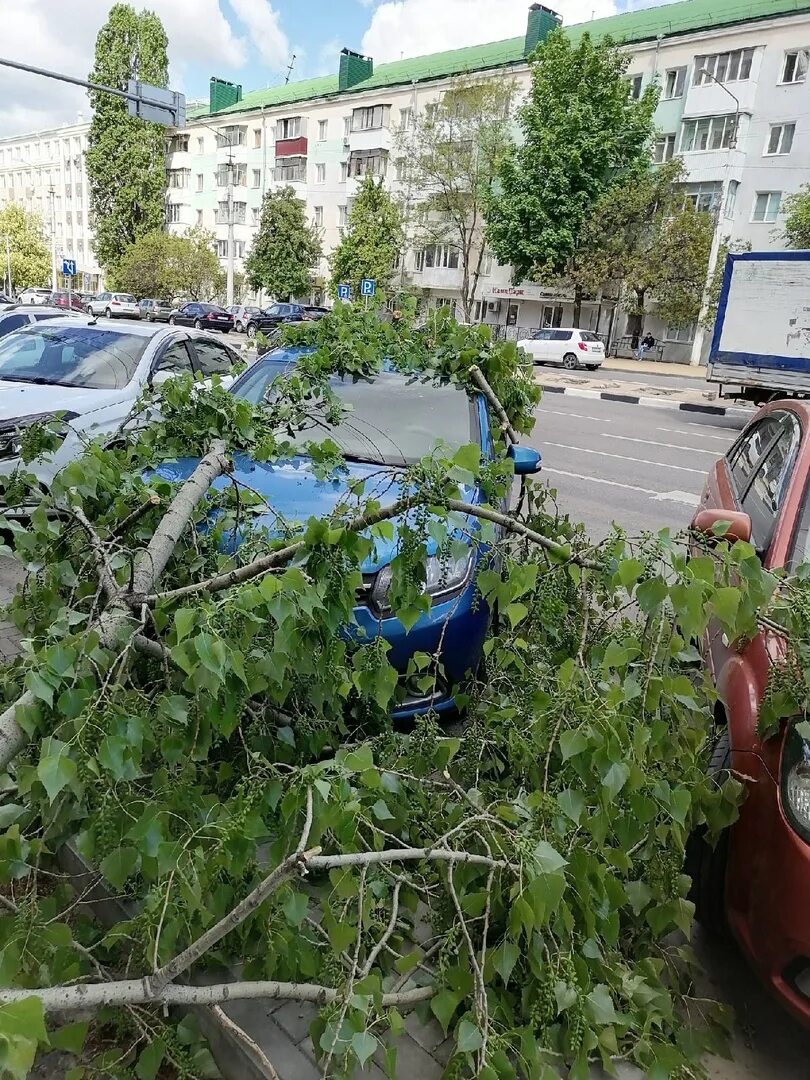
(69, 267)
(344, 292)
(367, 286)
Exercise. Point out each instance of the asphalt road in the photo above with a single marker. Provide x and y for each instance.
(643, 468)
(679, 382)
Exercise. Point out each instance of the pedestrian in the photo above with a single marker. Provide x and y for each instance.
(645, 345)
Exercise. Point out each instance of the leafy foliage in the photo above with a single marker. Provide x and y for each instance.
(159, 264)
(125, 157)
(242, 737)
(582, 135)
(30, 257)
(372, 239)
(449, 157)
(796, 228)
(286, 248)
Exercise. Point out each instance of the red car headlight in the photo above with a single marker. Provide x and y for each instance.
(796, 782)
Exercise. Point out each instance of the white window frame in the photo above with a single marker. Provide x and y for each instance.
(343, 217)
(769, 217)
(782, 128)
(344, 171)
(288, 128)
(444, 257)
(724, 124)
(317, 216)
(801, 58)
(723, 67)
(635, 82)
(200, 186)
(667, 145)
(323, 130)
(320, 172)
(257, 138)
(256, 178)
(680, 335)
(370, 117)
(676, 76)
(173, 213)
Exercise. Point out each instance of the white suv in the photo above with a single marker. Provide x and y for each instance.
(114, 305)
(569, 347)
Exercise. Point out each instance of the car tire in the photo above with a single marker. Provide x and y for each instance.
(197, 324)
(251, 330)
(150, 317)
(172, 321)
(707, 865)
(570, 362)
(238, 327)
(227, 330)
(592, 367)
(108, 313)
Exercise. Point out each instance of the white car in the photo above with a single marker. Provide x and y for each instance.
(114, 305)
(34, 296)
(569, 347)
(92, 374)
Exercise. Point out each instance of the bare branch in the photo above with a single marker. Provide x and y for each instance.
(250, 1045)
(392, 923)
(136, 515)
(105, 572)
(482, 384)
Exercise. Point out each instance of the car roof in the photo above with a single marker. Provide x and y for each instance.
(39, 309)
(138, 329)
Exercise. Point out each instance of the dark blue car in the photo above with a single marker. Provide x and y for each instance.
(390, 422)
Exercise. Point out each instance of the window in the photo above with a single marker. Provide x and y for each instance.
(731, 197)
(401, 168)
(176, 144)
(683, 335)
(552, 315)
(174, 359)
(405, 117)
(674, 81)
(222, 249)
(239, 170)
(342, 216)
(290, 168)
(178, 178)
(442, 255)
(257, 138)
(708, 133)
(705, 198)
(79, 221)
(663, 149)
(486, 264)
(794, 68)
(323, 129)
(240, 212)
(199, 217)
(317, 216)
(222, 213)
(635, 86)
(11, 322)
(368, 163)
(255, 215)
(211, 357)
(199, 181)
(371, 116)
(256, 178)
(344, 170)
(288, 128)
(233, 135)
(780, 139)
(766, 206)
(761, 464)
(173, 213)
(419, 260)
(723, 67)
(347, 126)
(320, 173)
(200, 144)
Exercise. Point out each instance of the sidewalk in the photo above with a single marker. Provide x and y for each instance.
(654, 367)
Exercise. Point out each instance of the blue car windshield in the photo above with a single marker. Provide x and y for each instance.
(391, 420)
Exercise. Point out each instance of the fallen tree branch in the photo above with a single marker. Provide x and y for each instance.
(480, 381)
(105, 572)
(250, 1045)
(136, 515)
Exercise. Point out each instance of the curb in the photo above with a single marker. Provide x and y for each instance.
(649, 402)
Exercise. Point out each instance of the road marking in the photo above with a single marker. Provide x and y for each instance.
(680, 431)
(577, 416)
(669, 445)
(576, 391)
(672, 496)
(624, 457)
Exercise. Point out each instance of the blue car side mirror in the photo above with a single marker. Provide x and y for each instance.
(525, 459)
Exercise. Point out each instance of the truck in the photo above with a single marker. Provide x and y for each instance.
(760, 348)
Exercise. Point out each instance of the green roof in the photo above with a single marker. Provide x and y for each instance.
(668, 20)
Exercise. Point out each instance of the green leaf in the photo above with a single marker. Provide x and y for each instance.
(55, 769)
(39, 687)
(615, 778)
(639, 895)
(504, 958)
(573, 743)
(548, 859)
(359, 759)
(630, 570)
(295, 907)
(803, 729)
(726, 603)
(572, 803)
(443, 1005)
(120, 865)
(599, 1005)
(9, 813)
(184, 620)
(364, 1044)
(381, 811)
(212, 653)
(25, 1017)
(70, 1037)
(150, 1059)
(515, 613)
(468, 1037)
(468, 457)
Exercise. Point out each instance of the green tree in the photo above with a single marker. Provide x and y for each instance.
(449, 157)
(196, 272)
(286, 249)
(30, 257)
(162, 265)
(796, 208)
(371, 240)
(125, 156)
(582, 134)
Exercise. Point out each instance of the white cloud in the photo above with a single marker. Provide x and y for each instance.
(61, 37)
(265, 26)
(400, 28)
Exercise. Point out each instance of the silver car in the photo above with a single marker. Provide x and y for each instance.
(114, 305)
(241, 316)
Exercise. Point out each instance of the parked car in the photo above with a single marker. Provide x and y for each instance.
(241, 315)
(395, 420)
(92, 373)
(312, 311)
(156, 310)
(67, 301)
(569, 347)
(34, 296)
(114, 305)
(16, 315)
(756, 881)
(274, 316)
(203, 316)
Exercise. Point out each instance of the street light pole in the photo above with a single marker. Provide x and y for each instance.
(52, 195)
(8, 267)
(229, 275)
(717, 237)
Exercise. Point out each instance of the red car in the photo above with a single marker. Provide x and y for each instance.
(756, 881)
(62, 299)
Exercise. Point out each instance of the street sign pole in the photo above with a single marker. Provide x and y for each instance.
(368, 286)
(69, 272)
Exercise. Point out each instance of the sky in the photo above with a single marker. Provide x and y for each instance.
(249, 41)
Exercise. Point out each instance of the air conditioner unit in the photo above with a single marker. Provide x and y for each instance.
(346, 141)
(493, 305)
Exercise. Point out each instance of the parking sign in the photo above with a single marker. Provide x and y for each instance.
(367, 286)
(344, 292)
(69, 267)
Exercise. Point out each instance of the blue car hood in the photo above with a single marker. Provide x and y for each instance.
(295, 493)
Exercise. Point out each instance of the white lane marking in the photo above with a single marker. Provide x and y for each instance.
(624, 457)
(577, 416)
(575, 391)
(701, 435)
(668, 445)
(673, 496)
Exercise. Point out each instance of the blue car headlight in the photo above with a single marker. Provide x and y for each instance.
(445, 576)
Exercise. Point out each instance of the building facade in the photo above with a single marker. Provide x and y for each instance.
(44, 172)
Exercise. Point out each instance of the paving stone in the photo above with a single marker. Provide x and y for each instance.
(430, 1037)
(295, 1017)
(413, 1062)
(288, 1060)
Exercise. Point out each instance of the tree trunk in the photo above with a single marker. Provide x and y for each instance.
(635, 323)
(577, 305)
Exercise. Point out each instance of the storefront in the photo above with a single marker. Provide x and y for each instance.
(524, 307)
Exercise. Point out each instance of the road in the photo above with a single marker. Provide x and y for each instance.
(679, 382)
(642, 467)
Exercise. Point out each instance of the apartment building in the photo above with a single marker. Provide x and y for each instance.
(735, 104)
(45, 173)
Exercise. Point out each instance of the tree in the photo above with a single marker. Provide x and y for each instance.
(582, 135)
(371, 241)
(163, 265)
(125, 158)
(30, 257)
(796, 208)
(449, 156)
(286, 249)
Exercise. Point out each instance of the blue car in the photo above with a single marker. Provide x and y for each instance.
(391, 421)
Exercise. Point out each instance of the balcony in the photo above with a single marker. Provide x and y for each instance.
(713, 100)
(296, 147)
(708, 165)
(379, 138)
